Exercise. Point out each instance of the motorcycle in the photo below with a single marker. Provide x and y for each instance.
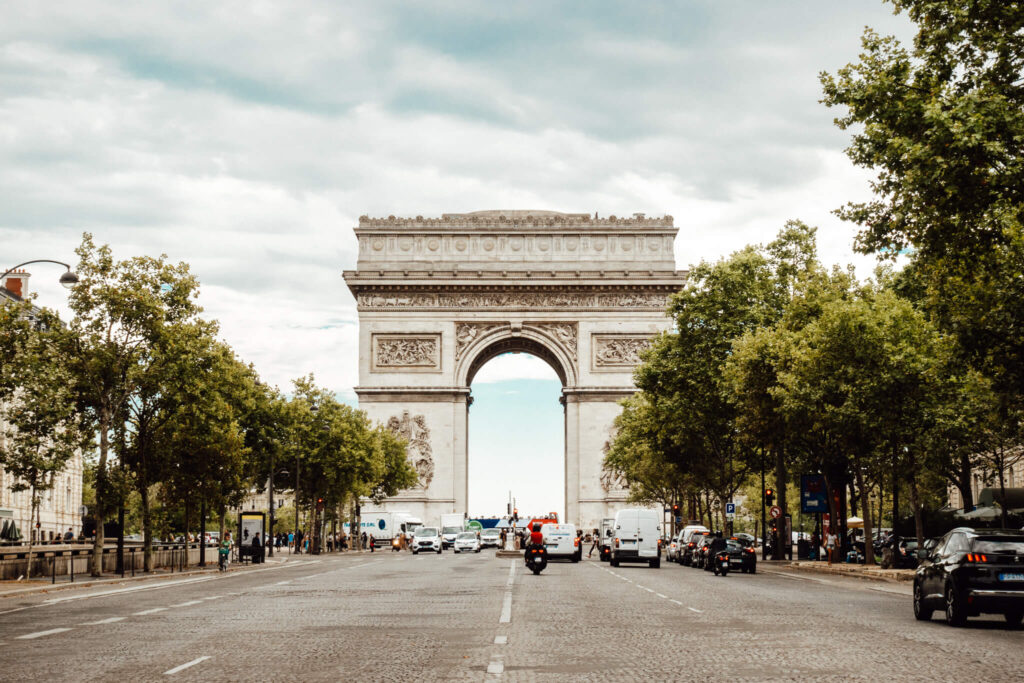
(721, 562)
(396, 544)
(536, 558)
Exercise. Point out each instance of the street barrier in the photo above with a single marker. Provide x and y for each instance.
(74, 562)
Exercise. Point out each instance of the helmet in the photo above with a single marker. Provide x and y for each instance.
(536, 526)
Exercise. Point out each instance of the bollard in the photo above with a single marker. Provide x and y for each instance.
(53, 568)
(132, 554)
(72, 566)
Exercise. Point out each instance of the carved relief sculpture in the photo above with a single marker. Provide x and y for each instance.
(618, 351)
(500, 299)
(565, 333)
(407, 351)
(467, 333)
(611, 481)
(415, 431)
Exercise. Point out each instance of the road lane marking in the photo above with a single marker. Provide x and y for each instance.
(675, 601)
(149, 611)
(283, 583)
(182, 667)
(496, 668)
(796, 576)
(661, 596)
(500, 640)
(108, 620)
(188, 604)
(511, 574)
(694, 609)
(40, 634)
(506, 609)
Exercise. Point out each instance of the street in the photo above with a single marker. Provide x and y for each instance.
(475, 617)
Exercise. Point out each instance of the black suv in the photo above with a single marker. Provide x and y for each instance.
(971, 572)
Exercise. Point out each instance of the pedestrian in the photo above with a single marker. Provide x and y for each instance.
(362, 539)
(831, 541)
(291, 541)
(373, 543)
(69, 535)
(595, 540)
(257, 548)
(224, 552)
(504, 537)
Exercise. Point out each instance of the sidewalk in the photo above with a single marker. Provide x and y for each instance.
(860, 571)
(42, 585)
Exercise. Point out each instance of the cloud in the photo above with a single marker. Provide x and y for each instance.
(246, 138)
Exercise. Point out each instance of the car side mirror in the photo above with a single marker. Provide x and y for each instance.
(608, 532)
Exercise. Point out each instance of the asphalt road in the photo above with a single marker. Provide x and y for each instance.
(475, 617)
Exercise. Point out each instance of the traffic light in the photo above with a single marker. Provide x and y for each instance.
(515, 514)
(769, 497)
(675, 510)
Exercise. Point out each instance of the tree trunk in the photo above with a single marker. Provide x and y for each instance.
(33, 510)
(853, 496)
(1001, 461)
(147, 530)
(964, 483)
(96, 561)
(914, 501)
(869, 548)
(780, 492)
(895, 490)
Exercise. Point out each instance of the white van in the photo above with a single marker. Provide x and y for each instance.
(637, 537)
(560, 540)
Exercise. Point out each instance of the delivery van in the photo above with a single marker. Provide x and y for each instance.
(561, 541)
(637, 537)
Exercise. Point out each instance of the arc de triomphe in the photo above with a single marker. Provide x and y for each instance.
(439, 297)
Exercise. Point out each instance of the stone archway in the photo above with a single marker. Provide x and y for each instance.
(439, 297)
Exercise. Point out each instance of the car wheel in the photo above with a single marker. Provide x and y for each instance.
(921, 613)
(614, 562)
(715, 570)
(656, 564)
(1013, 619)
(955, 614)
(438, 551)
(415, 552)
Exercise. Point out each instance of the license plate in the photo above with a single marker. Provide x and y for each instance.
(1011, 577)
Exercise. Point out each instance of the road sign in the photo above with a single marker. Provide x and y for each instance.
(775, 512)
(730, 510)
(813, 495)
(475, 525)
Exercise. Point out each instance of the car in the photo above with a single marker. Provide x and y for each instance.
(687, 553)
(467, 541)
(904, 555)
(741, 555)
(449, 534)
(970, 572)
(427, 538)
(672, 548)
(700, 550)
(490, 538)
(637, 537)
(561, 541)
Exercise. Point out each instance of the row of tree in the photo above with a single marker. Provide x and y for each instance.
(164, 410)
(904, 383)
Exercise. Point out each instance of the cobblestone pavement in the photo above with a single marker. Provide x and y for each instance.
(474, 617)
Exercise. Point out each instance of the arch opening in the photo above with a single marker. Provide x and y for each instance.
(516, 434)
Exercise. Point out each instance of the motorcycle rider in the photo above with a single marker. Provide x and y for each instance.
(716, 546)
(536, 537)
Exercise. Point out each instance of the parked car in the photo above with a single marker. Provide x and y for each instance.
(690, 534)
(672, 548)
(971, 572)
(426, 538)
(904, 554)
(490, 538)
(741, 555)
(467, 541)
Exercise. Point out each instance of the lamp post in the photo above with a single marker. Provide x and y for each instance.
(270, 496)
(68, 279)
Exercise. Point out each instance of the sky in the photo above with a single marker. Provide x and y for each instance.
(246, 138)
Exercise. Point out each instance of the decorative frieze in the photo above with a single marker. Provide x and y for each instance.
(417, 435)
(632, 298)
(407, 352)
(615, 351)
(485, 219)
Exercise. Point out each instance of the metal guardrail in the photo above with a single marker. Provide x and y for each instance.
(179, 556)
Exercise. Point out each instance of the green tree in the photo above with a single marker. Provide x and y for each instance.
(120, 310)
(42, 429)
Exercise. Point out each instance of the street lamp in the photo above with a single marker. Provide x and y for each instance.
(270, 494)
(68, 278)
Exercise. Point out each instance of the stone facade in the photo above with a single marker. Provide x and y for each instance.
(439, 297)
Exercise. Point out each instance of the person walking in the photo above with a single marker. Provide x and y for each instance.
(224, 552)
(595, 540)
(831, 542)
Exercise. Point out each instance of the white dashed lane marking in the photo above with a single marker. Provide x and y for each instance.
(500, 640)
(188, 604)
(149, 611)
(40, 634)
(649, 590)
(182, 667)
(108, 620)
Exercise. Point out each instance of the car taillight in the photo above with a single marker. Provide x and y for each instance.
(976, 557)
(749, 550)
(690, 545)
(576, 542)
(659, 542)
(616, 543)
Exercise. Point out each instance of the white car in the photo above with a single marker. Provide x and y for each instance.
(490, 538)
(468, 541)
(560, 540)
(426, 538)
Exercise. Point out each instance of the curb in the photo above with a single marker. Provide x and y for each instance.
(885, 575)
